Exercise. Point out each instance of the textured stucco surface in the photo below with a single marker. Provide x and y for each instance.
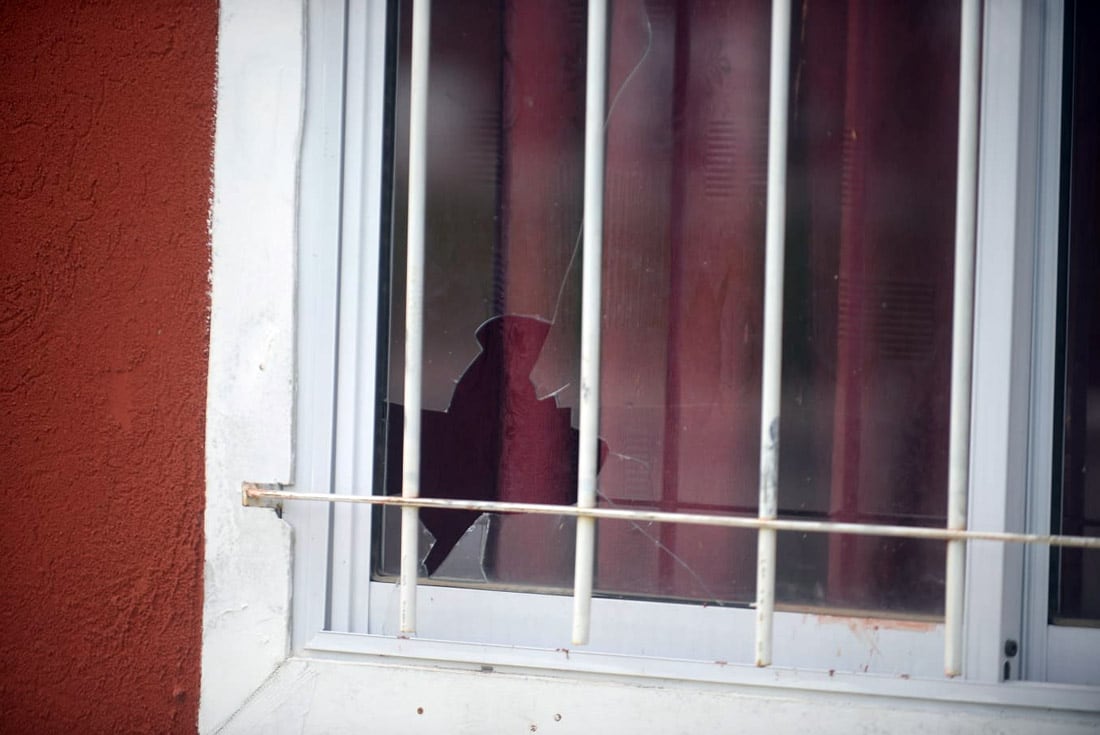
(106, 123)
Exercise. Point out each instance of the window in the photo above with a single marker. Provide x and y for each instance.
(867, 335)
(868, 312)
(1062, 585)
(1077, 586)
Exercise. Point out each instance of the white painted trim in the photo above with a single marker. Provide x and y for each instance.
(1072, 655)
(1040, 452)
(778, 681)
(364, 40)
(250, 388)
(1054, 653)
(1001, 342)
(647, 637)
(317, 695)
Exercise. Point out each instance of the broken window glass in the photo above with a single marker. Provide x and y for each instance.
(874, 113)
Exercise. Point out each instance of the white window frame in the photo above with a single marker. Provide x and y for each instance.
(254, 634)
(1017, 36)
(1057, 653)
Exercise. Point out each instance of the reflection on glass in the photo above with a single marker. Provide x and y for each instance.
(868, 293)
(1076, 588)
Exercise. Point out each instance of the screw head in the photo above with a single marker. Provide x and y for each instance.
(1011, 648)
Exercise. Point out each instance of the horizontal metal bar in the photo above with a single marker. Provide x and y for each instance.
(266, 494)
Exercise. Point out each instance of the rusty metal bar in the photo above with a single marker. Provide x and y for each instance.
(267, 495)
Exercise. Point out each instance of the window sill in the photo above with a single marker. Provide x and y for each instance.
(327, 692)
(772, 682)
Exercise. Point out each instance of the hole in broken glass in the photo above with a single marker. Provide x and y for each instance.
(497, 440)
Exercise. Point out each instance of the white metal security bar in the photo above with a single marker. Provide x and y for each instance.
(773, 326)
(962, 343)
(588, 450)
(254, 494)
(414, 311)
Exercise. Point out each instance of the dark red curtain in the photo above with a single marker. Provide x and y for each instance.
(876, 133)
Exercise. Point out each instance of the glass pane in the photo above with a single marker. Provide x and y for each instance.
(505, 174)
(868, 292)
(474, 557)
(867, 336)
(1076, 588)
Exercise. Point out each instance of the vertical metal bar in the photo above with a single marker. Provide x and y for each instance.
(594, 140)
(962, 343)
(773, 325)
(414, 310)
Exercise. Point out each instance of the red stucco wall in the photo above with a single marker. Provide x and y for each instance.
(106, 124)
